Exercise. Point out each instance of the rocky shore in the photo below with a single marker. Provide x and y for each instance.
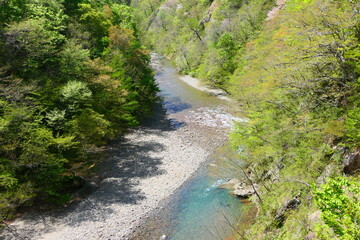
(239, 188)
(142, 168)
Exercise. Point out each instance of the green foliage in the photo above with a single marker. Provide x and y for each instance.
(297, 83)
(56, 119)
(339, 203)
(201, 37)
(30, 46)
(11, 10)
(19, 194)
(123, 15)
(76, 95)
(73, 59)
(91, 127)
(97, 25)
(353, 126)
(73, 75)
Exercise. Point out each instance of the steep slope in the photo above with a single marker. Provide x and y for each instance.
(203, 38)
(298, 83)
(294, 68)
(73, 75)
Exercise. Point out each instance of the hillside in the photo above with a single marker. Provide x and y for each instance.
(203, 38)
(294, 73)
(73, 75)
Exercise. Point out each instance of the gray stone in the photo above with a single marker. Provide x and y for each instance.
(239, 188)
(287, 206)
(163, 237)
(352, 162)
(243, 191)
(329, 169)
(314, 218)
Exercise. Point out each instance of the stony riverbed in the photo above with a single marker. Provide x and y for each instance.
(142, 169)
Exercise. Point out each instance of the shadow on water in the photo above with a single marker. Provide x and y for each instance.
(160, 119)
(175, 105)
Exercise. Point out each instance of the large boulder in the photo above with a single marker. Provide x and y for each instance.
(352, 162)
(239, 188)
(242, 191)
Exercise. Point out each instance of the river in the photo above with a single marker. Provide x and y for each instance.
(155, 178)
(198, 209)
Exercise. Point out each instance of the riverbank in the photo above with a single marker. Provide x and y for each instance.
(196, 83)
(143, 168)
(193, 82)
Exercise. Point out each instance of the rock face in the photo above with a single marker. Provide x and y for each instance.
(352, 162)
(310, 236)
(230, 184)
(288, 206)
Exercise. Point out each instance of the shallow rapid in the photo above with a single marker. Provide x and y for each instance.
(199, 209)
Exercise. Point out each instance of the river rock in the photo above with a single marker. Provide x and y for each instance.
(87, 188)
(238, 188)
(243, 191)
(163, 237)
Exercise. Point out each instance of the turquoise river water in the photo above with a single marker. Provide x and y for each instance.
(199, 209)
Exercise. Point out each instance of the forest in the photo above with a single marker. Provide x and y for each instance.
(74, 74)
(295, 77)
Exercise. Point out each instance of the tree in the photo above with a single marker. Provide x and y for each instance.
(338, 200)
(76, 95)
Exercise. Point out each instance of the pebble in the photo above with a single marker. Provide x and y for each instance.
(120, 208)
